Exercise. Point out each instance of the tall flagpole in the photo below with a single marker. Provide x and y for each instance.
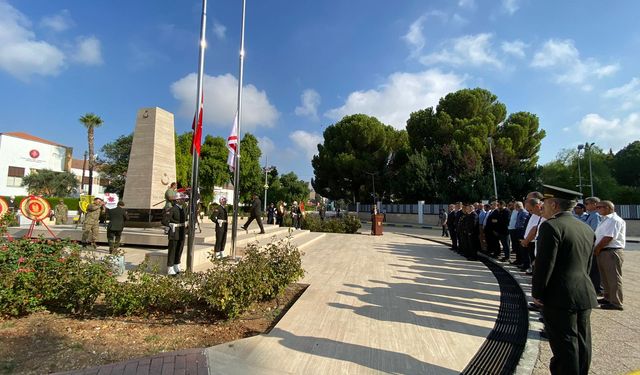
(193, 201)
(236, 172)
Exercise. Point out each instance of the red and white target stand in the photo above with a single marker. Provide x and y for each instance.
(35, 209)
(4, 208)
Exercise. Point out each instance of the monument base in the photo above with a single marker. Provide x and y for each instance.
(144, 218)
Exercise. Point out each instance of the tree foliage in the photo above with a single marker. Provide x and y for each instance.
(114, 163)
(626, 164)
(251, 175)
(287, 188)
(50, 183)
(354, 156)
(454, 139)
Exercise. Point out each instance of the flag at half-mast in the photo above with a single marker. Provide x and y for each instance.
(197, 129)
(232, 145)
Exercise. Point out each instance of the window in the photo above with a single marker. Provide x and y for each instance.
(14, 177)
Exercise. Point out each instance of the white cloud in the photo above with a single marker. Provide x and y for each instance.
(266, 146)
(400, 95)
(564, 58)
(310, 101)
(475, 50)
(220, 93)
(515, 48)
(307, 142)
(469, 4)
(21, 54)
(88, 51)
(612, 133)
(219, 30)
(415, 37)
(58, 22)
(511, 6)
(628, 94)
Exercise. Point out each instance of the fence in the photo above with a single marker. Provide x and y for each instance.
(625, 211)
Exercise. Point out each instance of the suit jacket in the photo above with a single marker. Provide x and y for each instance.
(561, 275)
(255, 207)
(117, 217)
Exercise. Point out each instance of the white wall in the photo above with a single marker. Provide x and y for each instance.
(96, 188)
(14, 152)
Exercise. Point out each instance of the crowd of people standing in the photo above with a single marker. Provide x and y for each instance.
(573, 251)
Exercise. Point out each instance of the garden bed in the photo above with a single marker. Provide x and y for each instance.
(46, 342)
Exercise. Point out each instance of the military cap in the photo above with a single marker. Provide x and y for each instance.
(551, 191)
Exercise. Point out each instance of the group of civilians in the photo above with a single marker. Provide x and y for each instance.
(574, 251)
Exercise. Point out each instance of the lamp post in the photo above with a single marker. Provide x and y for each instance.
(493, 169)
(587, 147)
(266, 185)
(580, 147)
(373, 182)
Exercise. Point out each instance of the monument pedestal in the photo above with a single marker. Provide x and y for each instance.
(152, 166)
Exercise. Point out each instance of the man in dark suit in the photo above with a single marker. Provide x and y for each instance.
(255, 213)
(561, 283)
(117, 216)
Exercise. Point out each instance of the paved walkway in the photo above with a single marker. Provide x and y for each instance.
(396, 304)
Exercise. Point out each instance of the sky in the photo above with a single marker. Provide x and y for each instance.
(575, 64)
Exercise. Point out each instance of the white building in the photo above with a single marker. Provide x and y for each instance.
(99, 184)
(21, 153)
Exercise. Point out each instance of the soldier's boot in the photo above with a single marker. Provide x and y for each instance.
(94, 246)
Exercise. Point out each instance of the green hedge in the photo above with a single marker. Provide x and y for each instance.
(38, 274)
(72, 203)
(344, 224)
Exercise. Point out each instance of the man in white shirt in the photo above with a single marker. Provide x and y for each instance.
(609, 247)
(534, 206)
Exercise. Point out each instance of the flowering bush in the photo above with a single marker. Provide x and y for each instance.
(38, 273)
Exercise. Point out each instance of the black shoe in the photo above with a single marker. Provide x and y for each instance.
(603, 301)
(263, 232)
(246, 229)
(609, 306)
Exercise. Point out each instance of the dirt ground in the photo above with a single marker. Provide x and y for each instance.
(47, 342)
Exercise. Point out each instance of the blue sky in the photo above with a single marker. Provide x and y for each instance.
(308, 63)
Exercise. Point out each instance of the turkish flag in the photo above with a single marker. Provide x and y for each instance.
(232, 145)
(197, 130)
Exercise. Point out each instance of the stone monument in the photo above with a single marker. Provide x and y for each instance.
(152, 165)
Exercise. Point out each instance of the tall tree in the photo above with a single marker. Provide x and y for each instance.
(251, 178)
(183, 159)
(115, 162)
(626, 164)
(353, 157)
(91, 121)
(454, 137)
(213, 165)
(50, 183)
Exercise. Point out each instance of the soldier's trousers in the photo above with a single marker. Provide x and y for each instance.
(90, 233)
(113, 237)
(175, 251)
(221, 237)
(570, 340)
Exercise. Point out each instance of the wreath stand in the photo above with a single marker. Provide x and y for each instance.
(29, 233)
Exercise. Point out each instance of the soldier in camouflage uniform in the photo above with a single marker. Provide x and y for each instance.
(91, 222)
(61, 212)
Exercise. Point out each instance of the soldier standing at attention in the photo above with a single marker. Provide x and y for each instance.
(90, 228)
(561, 283)
(177, 232)
(61, 212)
(117, 216)
(220, 217)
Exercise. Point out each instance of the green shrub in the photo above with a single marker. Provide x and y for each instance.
(344, 224)
(36, 274)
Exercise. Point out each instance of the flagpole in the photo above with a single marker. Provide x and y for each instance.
(236, 172)
(195, 152)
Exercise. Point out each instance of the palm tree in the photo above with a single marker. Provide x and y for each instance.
(91, 121)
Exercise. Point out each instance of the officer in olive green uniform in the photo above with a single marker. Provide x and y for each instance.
(117, 216)
(561, 282)
(91, 222)
(219, 216)
(61, 212)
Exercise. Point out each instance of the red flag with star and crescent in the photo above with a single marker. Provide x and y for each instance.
(232, 145)
(197, 129)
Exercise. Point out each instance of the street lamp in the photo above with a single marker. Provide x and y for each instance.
(587, 147)
(493, 169)
(266, 185)
(580, 147)
(373, 182)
